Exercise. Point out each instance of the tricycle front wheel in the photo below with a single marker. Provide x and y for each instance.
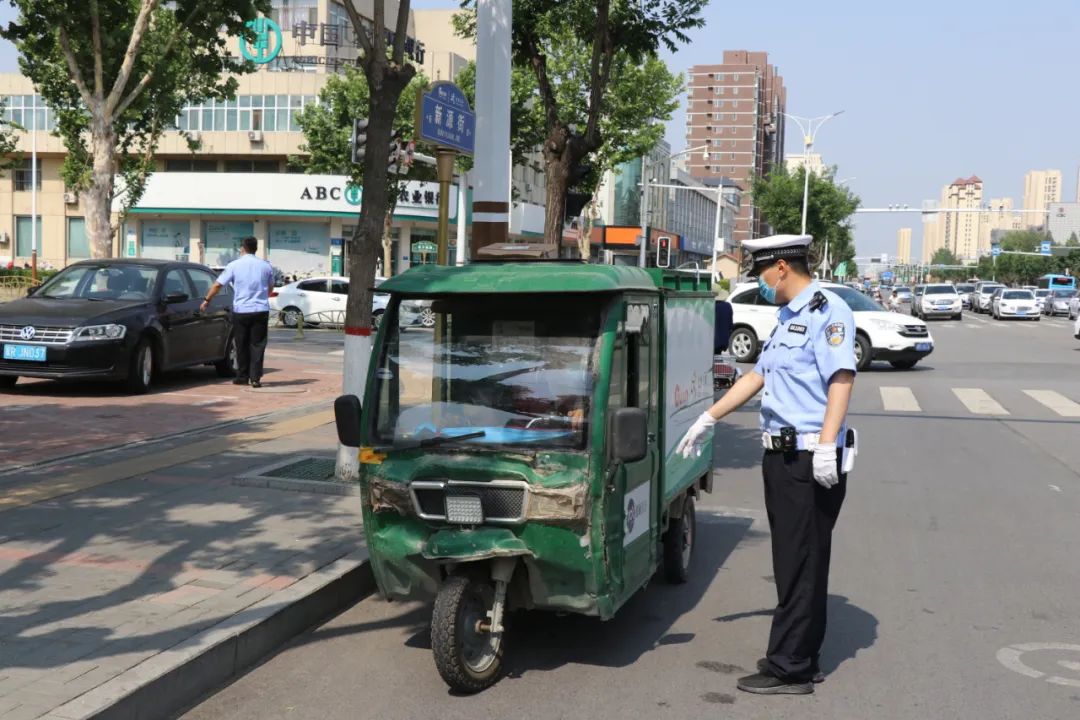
(468, 656)
(679, 544)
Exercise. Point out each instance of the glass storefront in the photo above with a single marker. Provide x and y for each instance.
(299, 247)
(222, 241)
(166, 239)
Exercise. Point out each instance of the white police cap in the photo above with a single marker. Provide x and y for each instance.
(776, 247)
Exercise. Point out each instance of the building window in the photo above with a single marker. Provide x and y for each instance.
(252, 166)
(21, 109)
(190, 165)
(78, 246)
(23, 244)
(245, 112)
(287, 13)
(24, 176)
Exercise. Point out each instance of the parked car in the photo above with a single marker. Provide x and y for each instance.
(965, 290)
(1040, 297)
(980, 297)
(319, 300)
(124, 320)
(1013, 302)
(916, 296)
(1057, 302)
(937, 301)
(879, 334)
(1074, 306)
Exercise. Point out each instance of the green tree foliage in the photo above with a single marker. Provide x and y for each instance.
(1073, 241)
(1023, 240)
(944, 256)
(117, 73)
(583, 56)
(779, 197)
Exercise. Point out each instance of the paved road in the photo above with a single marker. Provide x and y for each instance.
(955, 557)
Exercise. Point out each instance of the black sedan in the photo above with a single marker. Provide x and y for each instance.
(120, 320)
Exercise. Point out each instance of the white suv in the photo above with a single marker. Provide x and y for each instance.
(879, 334)
(939, 300)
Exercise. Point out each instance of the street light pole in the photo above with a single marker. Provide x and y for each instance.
(810, 128)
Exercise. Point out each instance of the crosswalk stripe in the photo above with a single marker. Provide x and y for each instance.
(899, 399)
(979, 402)
(1057, 402)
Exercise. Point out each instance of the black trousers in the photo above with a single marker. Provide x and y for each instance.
(250, 332)
(802, 515)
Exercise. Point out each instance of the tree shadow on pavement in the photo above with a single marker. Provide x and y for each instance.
(736, 447)
(545, 641)
(82, 575)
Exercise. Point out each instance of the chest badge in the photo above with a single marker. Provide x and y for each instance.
(797, 329)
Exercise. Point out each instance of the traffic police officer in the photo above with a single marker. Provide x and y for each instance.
(807, 369)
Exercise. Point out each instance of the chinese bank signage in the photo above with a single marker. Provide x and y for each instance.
(278, 193)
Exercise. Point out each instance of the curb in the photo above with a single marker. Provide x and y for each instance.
(177, 678)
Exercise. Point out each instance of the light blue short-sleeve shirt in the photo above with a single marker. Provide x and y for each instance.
(251, 279)
(811, 343)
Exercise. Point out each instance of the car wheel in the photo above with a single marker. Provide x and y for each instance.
(290, 316)
(863, 352)
(743, 344)
(226, 367)
(903, 364)
(958, 316)
(8, 381)
(141, 372)
(1037, 318)
(427, 317)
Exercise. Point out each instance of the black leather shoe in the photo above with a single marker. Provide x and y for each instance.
(763, 667)
(256, 384)
(240, 381)
(763, 684)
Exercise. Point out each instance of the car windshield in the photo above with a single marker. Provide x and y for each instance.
(940, 290)
(1064, 293)
(517, 370)
(965, 288)
(1017, 295)
(902, 291)
(1042, 293)
(989, 289)
(101, 282)
(857, 301)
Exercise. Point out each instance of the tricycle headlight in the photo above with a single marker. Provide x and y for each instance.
(100, 332)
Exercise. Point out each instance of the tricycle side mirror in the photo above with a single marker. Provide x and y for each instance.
(347, 419)
(629, 434)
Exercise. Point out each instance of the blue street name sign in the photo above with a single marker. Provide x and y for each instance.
(995, 250)
(445, 118)
(1045, 248)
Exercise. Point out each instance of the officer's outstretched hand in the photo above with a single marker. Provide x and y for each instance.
(825, 470)
(694, 440)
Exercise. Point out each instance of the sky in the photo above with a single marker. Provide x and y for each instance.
(931, 91)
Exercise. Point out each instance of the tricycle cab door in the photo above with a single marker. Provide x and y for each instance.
(632, 532)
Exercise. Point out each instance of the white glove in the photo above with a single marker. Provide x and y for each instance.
(694, 440)
(825, 471)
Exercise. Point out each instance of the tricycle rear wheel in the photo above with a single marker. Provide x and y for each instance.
(468, 658)
(679, 544)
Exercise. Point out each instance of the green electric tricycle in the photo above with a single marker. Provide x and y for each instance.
(520, 454)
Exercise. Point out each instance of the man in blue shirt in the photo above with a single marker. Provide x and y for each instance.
(807, 370)
(251, 279)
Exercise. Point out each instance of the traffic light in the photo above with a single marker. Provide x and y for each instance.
(663, 251)
(359, 139)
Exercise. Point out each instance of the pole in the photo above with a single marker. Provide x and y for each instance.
(808, 143)
(644, 249)
(463, 191)
(33, 190)
(717, 240)
(491, 194)
(444, 159)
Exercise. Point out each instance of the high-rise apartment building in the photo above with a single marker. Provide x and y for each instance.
(931, 236)
(903, 246)
(999, 215)
(735, 108)
(960, 231)
(1041, 187)
(813, 161)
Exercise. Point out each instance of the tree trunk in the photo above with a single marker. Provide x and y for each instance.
(98, 197)
(366, 242)
(557, 162)
(388, 244)
(585, 241)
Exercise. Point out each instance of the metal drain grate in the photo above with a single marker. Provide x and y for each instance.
(306, 469)
(303, 473)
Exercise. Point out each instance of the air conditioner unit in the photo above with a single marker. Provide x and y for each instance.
(71, 198)
(255, 136)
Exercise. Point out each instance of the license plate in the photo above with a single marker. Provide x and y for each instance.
(32, 353)
(1021, 312)
(922, 347)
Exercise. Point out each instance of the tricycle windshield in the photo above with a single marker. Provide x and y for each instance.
(494, 370)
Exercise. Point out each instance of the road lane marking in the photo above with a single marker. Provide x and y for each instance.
(979, 402)
(899, 399)
(1012, 658)
(1057, 402)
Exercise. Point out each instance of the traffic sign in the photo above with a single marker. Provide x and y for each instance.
(1045, 247)
(995, 249)
(887, 275)
(444, 118)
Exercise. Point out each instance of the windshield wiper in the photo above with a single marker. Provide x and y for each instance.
(439, 440)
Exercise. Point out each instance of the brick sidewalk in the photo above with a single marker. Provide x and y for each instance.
(42, 420)
(104, 590)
